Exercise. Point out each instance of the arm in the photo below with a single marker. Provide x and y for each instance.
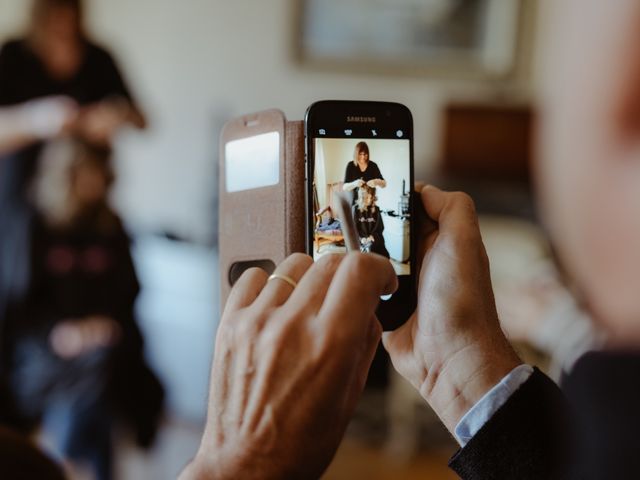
(377, 182)
(454, 352)
(526, 438)
(24, 121)
(24, 124)
(100, 122)
(452, 349)
(348, 187)
(351, 181)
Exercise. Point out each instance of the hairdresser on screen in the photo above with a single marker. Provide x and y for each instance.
(362, 171)
(289, 363)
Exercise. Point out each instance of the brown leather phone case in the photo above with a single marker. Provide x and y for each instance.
(262, 226)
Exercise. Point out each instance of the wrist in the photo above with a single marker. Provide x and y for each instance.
(203, 467)
(465, 377)
(44, 118)
(223, 463)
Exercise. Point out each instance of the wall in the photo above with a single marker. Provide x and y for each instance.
(194, 64)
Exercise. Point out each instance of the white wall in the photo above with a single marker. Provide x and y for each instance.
(195, 63)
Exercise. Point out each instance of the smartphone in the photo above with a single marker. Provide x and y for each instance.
(363, 152)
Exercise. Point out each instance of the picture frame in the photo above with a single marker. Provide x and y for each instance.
(441, 38)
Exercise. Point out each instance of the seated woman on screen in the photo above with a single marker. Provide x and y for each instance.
(369, 222)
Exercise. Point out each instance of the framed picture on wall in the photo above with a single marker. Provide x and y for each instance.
(443, 37)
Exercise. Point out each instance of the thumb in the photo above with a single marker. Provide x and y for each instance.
(400, 346)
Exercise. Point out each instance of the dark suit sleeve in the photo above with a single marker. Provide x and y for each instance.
(526, 439)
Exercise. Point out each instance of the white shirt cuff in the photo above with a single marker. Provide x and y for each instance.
(490, 403)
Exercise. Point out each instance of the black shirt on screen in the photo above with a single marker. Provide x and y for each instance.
(353, 172)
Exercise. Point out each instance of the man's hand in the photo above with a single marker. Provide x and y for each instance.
(290, 365)
(452, 349)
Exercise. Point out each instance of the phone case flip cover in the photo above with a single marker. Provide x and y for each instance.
(262, 226)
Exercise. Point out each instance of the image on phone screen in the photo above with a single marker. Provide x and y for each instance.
(376, 174)
(360, 171)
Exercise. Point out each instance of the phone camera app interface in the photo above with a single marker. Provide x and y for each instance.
(375, 173)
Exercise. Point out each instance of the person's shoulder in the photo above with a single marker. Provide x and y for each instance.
(13, 48)
(98, 53)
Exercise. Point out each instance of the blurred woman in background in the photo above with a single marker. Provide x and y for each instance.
(56, 82)
(53, 82)
(76, 351)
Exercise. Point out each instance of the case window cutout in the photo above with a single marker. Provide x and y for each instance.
(252, 162)
(238, 268)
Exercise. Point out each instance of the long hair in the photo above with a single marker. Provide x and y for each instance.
(53, 192)
(360, 147)
(359, 201)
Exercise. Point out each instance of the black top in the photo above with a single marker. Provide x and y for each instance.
(23, 77)
(369, 224)
(76, 272)
(353, 173)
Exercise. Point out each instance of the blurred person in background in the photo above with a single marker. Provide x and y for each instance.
(76, 352)
(53, 82)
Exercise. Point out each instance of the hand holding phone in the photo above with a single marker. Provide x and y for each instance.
(359, 159)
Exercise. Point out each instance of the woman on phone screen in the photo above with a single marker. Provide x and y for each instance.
(362, 171)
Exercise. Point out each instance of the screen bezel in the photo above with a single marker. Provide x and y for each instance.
(386, 118)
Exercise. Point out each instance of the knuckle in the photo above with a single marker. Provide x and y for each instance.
(278, 334)
(358, 262)
(465, 201)
(241, 329)
(270, 337)
(300, 258)
(250, 277)
(330, 262)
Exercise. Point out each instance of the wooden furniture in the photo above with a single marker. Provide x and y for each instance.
(319, 237)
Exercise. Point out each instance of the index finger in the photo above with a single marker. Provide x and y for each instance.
(355, 291)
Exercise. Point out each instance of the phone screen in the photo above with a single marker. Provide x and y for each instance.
(363, 149)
